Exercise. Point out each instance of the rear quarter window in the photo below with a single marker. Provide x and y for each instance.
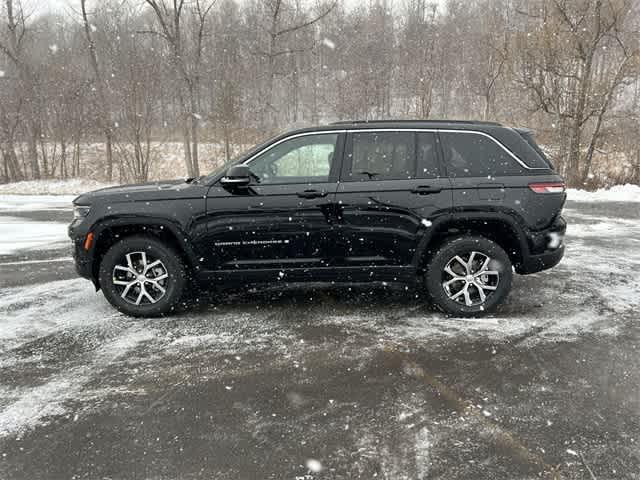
(468, 154)
(541, 158)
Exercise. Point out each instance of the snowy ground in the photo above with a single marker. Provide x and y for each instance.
(366, 381)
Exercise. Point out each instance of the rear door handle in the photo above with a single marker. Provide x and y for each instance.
(426, 190)
(312, 194)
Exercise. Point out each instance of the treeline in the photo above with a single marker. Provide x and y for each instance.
(131, 73)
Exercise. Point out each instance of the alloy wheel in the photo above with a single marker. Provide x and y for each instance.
(140, 279)
(468, 278)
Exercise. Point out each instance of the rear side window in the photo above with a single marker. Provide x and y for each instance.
(382, 156)
(469, 154)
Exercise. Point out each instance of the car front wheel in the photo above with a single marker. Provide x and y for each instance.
(468, 276)
(142, 277)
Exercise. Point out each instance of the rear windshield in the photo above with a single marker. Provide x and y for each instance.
(528, 136)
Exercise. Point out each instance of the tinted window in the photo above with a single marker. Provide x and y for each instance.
(427, 157)
(382, 156)
(474, 155)
(532, 143)
(299, 160)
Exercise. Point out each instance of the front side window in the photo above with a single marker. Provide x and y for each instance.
(382, 156)
(305, 159)
(473, 155)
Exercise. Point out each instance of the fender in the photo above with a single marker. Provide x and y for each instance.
(455, 219)
(173, 227)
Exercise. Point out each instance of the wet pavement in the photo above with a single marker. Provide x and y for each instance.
(292, 382)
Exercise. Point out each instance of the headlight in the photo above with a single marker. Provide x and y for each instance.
(80, 211)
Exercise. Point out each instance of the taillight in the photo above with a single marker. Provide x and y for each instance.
(547, 187)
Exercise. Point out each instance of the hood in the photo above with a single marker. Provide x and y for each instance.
(162, 190)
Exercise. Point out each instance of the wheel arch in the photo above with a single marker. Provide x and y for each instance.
(497, 227)
(110, 231)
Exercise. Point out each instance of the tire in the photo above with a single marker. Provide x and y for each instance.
(447, 276)
(122, 271)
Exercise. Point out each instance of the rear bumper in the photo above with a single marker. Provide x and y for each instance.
(546, 249)
(543, 261)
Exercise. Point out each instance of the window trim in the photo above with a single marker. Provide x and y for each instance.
(340, 147)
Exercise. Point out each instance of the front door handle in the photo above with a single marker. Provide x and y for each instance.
(426, 190)
(312, 194)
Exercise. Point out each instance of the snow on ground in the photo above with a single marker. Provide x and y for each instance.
(19, 234)
(29, 203)
(71, 186)
(76, 186)
(617, 193)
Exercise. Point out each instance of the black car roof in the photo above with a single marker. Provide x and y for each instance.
(395, 123)
(400, 124)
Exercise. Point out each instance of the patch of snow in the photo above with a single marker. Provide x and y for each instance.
(617, 193)
(31, 407)
(35, 311)
(29, 203)
(19, 234)
(71, 186)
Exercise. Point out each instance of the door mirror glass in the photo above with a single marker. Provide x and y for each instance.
(237, 176)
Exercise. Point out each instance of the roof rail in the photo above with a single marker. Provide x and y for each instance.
(469, 122)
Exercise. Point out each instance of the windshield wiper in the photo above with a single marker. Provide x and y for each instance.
(369, 174)
(194, 179)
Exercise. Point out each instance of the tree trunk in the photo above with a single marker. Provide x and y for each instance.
(195, 167)
(32, 148)
(108, 135)
(187, 148)
(63, 158)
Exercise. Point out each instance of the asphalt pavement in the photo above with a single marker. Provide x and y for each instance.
(326, 382)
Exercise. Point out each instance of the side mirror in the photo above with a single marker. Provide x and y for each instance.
(237, 176)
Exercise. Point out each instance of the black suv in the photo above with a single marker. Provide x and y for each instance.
(456, 206)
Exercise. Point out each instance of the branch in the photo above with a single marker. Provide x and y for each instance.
(308, 23)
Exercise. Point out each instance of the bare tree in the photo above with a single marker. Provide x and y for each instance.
(187, 60)
(101, 87)
(574, 69)
(12, 44)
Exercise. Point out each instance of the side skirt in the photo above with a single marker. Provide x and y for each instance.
(402, 274)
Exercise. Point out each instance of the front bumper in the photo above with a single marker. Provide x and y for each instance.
(82, 258)
(83, 261)
(546, 248)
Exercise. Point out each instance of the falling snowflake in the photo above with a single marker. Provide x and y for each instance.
(53, 48)
(314, 465)
(328, 43)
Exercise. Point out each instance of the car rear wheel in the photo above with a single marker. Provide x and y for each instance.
(468, 276)
(142, 277)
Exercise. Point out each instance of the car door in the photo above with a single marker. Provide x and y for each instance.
(482, 173)
(284, 218)
(392, 191)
